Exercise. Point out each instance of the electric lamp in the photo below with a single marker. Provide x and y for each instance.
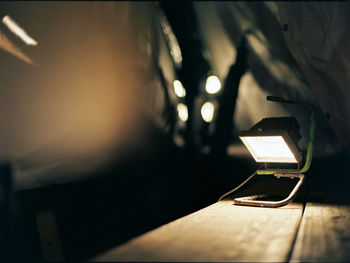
(274, 141)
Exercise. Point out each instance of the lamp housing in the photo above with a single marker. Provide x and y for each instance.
(273, 140)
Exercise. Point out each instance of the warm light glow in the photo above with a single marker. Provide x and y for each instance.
(175, 50)
(18, 31)
(182, 111)
(207, 111)
(7, 45)
(179, 140)
(179, 89)
(269, 149)
(212, 85)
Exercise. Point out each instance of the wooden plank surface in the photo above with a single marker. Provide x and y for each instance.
(324, 234)
(220, 232)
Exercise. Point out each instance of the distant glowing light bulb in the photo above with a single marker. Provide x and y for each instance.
(18, 31)
(212, 85)
(207, 111)
(182, 111)
(179, 89)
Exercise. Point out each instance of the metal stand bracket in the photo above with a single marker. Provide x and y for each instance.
(252, 200)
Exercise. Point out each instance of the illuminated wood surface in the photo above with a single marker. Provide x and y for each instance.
(220, 232)
(324, 234)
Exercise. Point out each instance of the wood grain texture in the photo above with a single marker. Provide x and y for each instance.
(220, 232)
(324, 234)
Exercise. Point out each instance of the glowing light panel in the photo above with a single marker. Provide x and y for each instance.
(179, 89)
(212, 85)
(182, 111)
(269, 149)
(18, 31)
(207, 111)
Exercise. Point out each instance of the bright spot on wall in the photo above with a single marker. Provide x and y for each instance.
(212, 85)
(18, 31)
(207, 111)
(179, 89)
(182, 111)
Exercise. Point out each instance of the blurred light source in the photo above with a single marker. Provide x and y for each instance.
(175, 50)
(212, 85)
(179, 89)
(207, 111)
(18, 31)
(179, 140)
(182, 111)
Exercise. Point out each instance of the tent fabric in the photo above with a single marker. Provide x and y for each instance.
(272, 67)
(82, 101)
(316, 33)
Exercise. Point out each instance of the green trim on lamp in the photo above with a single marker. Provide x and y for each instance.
(309, 147)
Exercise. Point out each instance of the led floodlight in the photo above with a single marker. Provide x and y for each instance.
(275, 141)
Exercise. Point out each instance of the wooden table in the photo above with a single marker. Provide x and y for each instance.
(225, 232)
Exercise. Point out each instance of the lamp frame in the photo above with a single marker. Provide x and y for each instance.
(252, 200)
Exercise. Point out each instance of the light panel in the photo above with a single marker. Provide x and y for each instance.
(269, 149)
